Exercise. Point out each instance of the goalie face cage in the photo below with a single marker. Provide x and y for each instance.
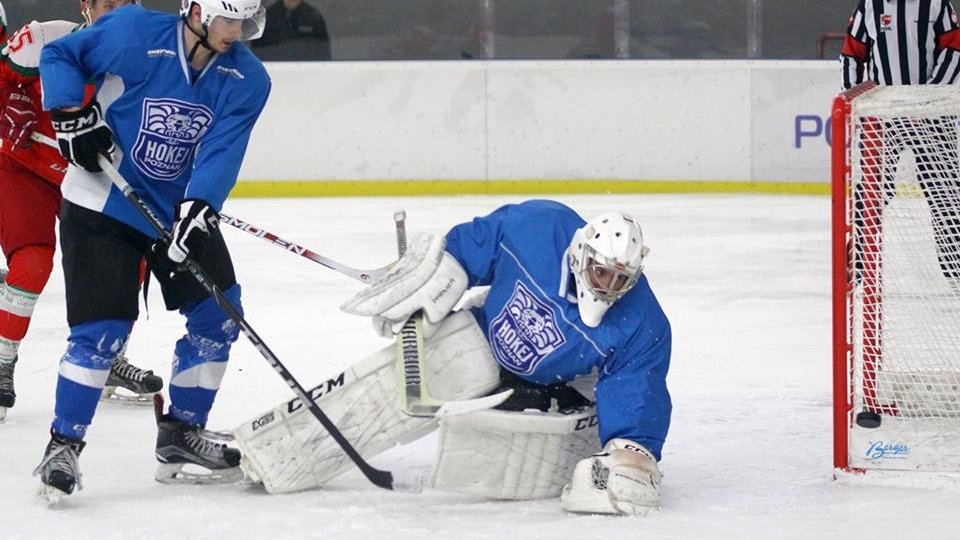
(896, 278)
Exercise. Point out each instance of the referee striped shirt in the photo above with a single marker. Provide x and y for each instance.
(897, 42)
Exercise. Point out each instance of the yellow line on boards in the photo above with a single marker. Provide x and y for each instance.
(411, 188)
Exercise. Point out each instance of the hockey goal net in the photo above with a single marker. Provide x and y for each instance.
(896, 278)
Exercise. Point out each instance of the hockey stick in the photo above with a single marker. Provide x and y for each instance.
(36, 136)
(363, 276)
(415, 399)
(383, 479)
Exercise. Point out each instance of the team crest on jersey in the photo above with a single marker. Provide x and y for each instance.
(886, 22)
(168, 136)
(524, 332)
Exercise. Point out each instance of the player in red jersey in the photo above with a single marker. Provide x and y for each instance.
(30, 177)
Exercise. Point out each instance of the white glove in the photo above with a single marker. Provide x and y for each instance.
(389, 328)
(622, 479)
(426, 278)
(472, 298)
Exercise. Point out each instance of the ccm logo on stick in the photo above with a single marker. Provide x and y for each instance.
(318, 391)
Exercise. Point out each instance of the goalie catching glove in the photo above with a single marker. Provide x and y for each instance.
(622, 479)
(426, 278)
(82, 136)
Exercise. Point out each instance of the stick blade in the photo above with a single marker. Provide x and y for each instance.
(408, 482)
(467, 406)
(403, 482)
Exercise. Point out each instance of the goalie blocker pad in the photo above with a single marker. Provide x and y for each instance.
(513, 455)
(287, 449)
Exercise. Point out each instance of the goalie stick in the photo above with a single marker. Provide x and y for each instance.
(361, 275)
(383, 479)
(415, 399)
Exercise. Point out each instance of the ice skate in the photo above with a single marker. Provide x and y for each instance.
(60, 469)
(180, 445)
(7, 396)
(129, 384)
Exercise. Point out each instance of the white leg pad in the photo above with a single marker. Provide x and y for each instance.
(288, 449)
(513, 455)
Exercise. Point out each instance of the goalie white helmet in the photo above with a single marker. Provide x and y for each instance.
(250, 12)
(606, 259)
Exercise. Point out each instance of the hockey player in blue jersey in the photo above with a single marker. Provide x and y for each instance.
(567, 301)
(566, 298)
(176, 99)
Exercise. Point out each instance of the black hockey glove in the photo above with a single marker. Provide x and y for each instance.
(83, 135)
(161, 265)
(193, 221)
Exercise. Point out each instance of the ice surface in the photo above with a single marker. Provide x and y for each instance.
(744, 280)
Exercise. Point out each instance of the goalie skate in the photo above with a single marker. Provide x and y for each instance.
(129, 384)
(59, 469)
(191, 454)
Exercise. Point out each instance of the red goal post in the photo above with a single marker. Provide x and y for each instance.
(896, 278)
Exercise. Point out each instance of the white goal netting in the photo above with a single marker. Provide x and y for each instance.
(904, 213)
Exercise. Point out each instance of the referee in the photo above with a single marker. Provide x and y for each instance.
(909, 42)
(901, 42)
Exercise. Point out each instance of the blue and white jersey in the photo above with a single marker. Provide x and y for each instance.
(183, 133)
(532, 323)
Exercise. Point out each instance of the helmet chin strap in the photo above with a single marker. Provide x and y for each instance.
(202, 39)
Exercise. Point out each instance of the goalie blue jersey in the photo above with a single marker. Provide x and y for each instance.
(532, 323)
(183, 133)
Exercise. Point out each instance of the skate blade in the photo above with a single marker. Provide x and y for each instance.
(50, 495)
(117, 394)
(173, 473)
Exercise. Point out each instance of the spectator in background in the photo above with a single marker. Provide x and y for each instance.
(295, 31)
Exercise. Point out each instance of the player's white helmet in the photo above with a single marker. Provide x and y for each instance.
(606, 259)
(252, 14)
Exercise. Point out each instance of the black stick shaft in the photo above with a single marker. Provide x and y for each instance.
(383, 479)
